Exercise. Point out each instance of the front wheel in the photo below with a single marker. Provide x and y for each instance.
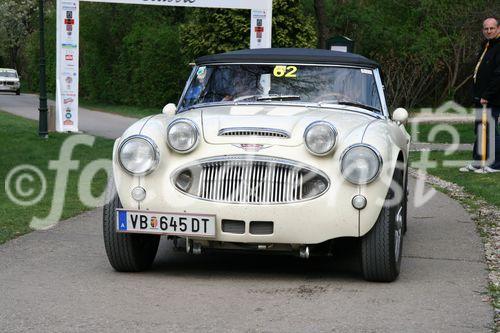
(18, 92)
(126, 252)
(381, 248)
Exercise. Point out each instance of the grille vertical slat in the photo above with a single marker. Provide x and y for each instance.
(212, 182)
(219, 182)
(266, 185)
(253, 186)
(300, 180)
(280, 185)
(290, 184)
(231, 185)
(261, 182)
(245, 184)
(226, 170)
(201, 183)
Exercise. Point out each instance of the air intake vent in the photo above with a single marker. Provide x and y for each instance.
(255, 131)
(233, 226)
(261, 228)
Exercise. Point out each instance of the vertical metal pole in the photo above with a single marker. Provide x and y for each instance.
(42, 108)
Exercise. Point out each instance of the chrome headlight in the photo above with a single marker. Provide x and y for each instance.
(138, 155)
(320, 138)
(361, 164)
(182, 135)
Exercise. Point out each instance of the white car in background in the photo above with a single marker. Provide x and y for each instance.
(9, 81)
(284, 150)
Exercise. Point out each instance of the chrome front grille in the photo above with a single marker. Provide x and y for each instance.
(254, 131)
(253, 181)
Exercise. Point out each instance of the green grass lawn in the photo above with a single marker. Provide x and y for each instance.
(465, 131)
(124, 110)
(485, 186)
(21, 145)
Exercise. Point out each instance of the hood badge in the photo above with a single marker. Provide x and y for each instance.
(252, 147)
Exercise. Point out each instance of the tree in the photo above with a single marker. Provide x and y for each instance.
(321, 20)
(210, 31)
(17, 22)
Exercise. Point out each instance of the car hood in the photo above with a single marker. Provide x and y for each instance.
(292, 120)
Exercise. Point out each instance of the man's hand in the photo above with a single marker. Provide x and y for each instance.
(483, 101)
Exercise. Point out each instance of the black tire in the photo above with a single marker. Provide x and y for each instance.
(18, 92)
(126, 252)
(379, 260)
(405, 204)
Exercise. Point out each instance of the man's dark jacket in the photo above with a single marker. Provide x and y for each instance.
(487, 84)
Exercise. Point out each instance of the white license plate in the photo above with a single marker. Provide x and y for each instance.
(137, 221)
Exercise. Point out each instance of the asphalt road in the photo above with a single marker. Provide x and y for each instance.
(60, 281)
(93, 122)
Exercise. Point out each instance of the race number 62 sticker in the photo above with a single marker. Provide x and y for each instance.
(285, 71)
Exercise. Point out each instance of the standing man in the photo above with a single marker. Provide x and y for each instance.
(487, 93)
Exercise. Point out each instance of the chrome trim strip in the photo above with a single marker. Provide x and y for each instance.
(186, 86)
(277, 132)
(381, 94)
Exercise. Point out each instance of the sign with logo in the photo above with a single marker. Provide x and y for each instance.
(260, 32)
(68, 35)
(67, 66)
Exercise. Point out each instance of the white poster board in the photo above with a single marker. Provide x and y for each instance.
(68, 44)
(67, 66)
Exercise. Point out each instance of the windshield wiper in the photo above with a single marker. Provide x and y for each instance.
(279, 98)
(360, 105)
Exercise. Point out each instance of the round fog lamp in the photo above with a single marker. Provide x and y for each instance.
(184, 180)
(138, 193)
(359, 202)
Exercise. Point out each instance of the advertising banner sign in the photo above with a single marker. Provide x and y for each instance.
(67, 66)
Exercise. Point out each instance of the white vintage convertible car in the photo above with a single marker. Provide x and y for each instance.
(267, 150)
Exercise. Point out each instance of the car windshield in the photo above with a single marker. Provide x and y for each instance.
(8, 74)
(263, 83)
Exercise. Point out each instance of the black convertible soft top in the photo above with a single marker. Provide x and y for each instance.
(288, 55)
